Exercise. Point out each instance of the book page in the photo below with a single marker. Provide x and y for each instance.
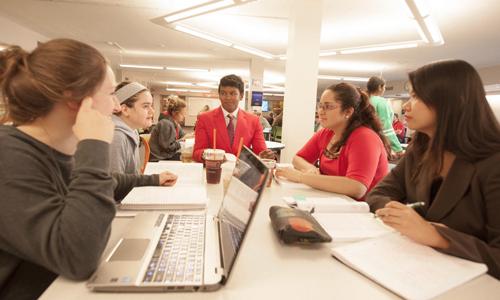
(166, 197)
(411, 270)
(187, 173)
(350, 227)
(337, 204)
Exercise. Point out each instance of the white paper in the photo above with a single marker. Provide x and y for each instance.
(350, 227)
(152, 197)
(332, 204)
(189, 192)
(187, 173)
(411, 270)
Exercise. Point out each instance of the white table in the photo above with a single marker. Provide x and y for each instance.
(267, 269)
(274, 145)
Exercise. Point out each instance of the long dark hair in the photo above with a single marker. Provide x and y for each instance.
(374, 83)
(364, 113)
(465, 123)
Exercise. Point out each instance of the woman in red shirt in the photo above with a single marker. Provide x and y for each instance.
(351, 148)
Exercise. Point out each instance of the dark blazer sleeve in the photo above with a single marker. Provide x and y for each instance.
(124, 183)
(163, 143)
(392, 187)
(487, 248)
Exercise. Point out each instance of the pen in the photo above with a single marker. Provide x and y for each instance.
(413, 205)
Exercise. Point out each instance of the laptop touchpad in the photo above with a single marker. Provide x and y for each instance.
(130, 249)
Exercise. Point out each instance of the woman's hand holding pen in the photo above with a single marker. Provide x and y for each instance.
(408, 222)
(167, 178)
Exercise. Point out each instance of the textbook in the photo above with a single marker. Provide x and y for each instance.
(345, 219)
(161, 197)
(409, 269)
(189, 192)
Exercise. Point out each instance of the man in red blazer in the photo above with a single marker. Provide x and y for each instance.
(244, 125)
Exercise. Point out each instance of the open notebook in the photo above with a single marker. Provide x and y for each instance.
(189, 192)
(345, 219)
(411, 270)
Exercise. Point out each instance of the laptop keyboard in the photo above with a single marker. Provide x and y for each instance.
(179, 254)
(235, 237)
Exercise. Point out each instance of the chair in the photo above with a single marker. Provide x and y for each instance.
(276, 133)
(144, 152)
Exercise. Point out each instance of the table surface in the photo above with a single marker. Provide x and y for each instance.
(267, 269)
(274, 145)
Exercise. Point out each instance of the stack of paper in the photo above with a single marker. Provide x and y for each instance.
(345, 219)
(189, 192)
(409, 269)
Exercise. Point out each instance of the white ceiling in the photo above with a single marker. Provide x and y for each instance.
(470, 29)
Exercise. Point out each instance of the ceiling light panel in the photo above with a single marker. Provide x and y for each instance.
(205, 36)
(141, 67)
(198, 10)
(351, 65)
(186, 69)
(265, 33)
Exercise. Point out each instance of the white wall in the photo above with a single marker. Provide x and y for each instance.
(494, 101)
(15, 34)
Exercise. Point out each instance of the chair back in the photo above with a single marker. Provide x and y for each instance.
(276, 133)
(144, 152)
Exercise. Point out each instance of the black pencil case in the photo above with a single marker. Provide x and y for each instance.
(297, 226)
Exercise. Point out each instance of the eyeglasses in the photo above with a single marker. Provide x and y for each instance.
(327, 106)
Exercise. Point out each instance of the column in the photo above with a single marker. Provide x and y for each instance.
(301, 75)
(256, 80)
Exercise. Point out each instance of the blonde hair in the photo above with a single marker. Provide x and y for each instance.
(175, 104)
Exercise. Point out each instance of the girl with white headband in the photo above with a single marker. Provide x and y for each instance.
(136, 111)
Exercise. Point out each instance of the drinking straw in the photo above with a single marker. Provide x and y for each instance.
(214, 143)
(215, 135)
(239, 147)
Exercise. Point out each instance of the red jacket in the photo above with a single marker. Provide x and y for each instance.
(247, 127)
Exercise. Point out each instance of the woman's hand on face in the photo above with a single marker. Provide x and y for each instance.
(167, 178)
(92, 124)
(289, 173)
(408, 222)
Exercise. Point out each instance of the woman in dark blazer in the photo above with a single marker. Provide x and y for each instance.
(452, 165)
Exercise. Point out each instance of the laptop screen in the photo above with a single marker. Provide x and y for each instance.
(244, 190)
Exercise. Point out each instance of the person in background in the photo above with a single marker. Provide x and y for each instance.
(136, 112)
(231, 124)
(399, 128)
(263, 122)
(270, 118)
(58, 195)
(376, 88)
(164, 109)
(278, 120)
(317, 124)
(168, 133)
(204, 109)
(351, 148)
(451, 165)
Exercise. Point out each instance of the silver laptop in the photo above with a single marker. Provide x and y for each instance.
(185, 251)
